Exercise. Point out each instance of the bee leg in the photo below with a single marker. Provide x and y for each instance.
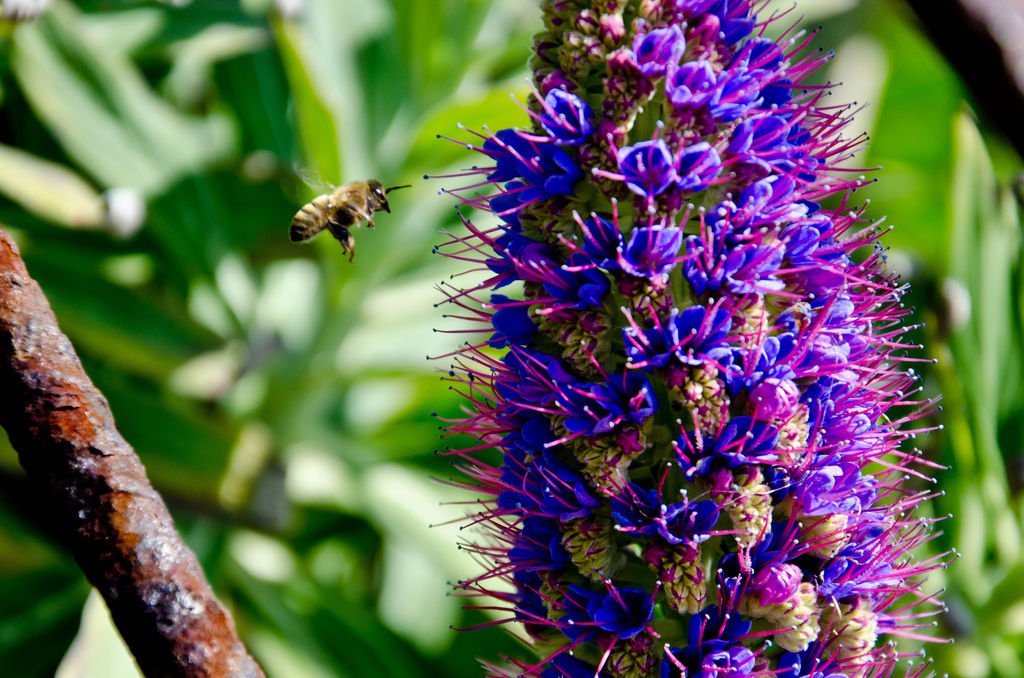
(344, 236)
(365, 215)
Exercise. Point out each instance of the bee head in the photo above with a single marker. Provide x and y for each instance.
(379, 194)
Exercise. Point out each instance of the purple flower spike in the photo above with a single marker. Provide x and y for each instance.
(713, 649)
(776, 584)
(693, 8)
(692, 85)
(736, 94)
(775, 399)
(576, 286)
(659, 50)
(601, 407)
(567, 666)
(534, 169)
(512, 323)
(689, 523)
(567, 118)
(742, 441)
(651, 252)
(698, 166)
(639, 512)
(686, 386)
(602, 242)
(624, 612)
(698, 335)
(735, 19)
(648, 167)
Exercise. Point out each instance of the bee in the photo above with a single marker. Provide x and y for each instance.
(341, 210)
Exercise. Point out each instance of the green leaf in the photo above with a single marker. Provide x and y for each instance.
(910, 142)
(319, 141)
(49, 190)
(186, 453)
(98, 649)
(255, 89)
(193, 58)
(41, 615)
(984, 249)
(330, 634)
(491, 109)
(126, 31)
(102, 111)
(144, 332)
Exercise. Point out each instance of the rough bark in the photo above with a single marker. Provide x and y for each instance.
(93, 483)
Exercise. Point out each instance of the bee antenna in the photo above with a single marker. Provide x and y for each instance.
(395, 188)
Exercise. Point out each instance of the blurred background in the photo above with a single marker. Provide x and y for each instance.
(151, 158)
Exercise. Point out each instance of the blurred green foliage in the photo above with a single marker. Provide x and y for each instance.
(279, 396)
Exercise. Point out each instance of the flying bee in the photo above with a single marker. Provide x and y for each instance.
(340, 211)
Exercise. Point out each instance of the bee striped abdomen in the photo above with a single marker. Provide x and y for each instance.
(311, 219)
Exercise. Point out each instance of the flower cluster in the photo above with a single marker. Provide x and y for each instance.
(691, 368)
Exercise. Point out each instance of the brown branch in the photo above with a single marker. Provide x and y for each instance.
(115, 523)
(984, 41)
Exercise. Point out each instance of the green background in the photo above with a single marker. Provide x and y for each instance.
(280, 397)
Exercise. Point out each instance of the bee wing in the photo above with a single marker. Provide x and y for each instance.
(311, 217)
(312, 181)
